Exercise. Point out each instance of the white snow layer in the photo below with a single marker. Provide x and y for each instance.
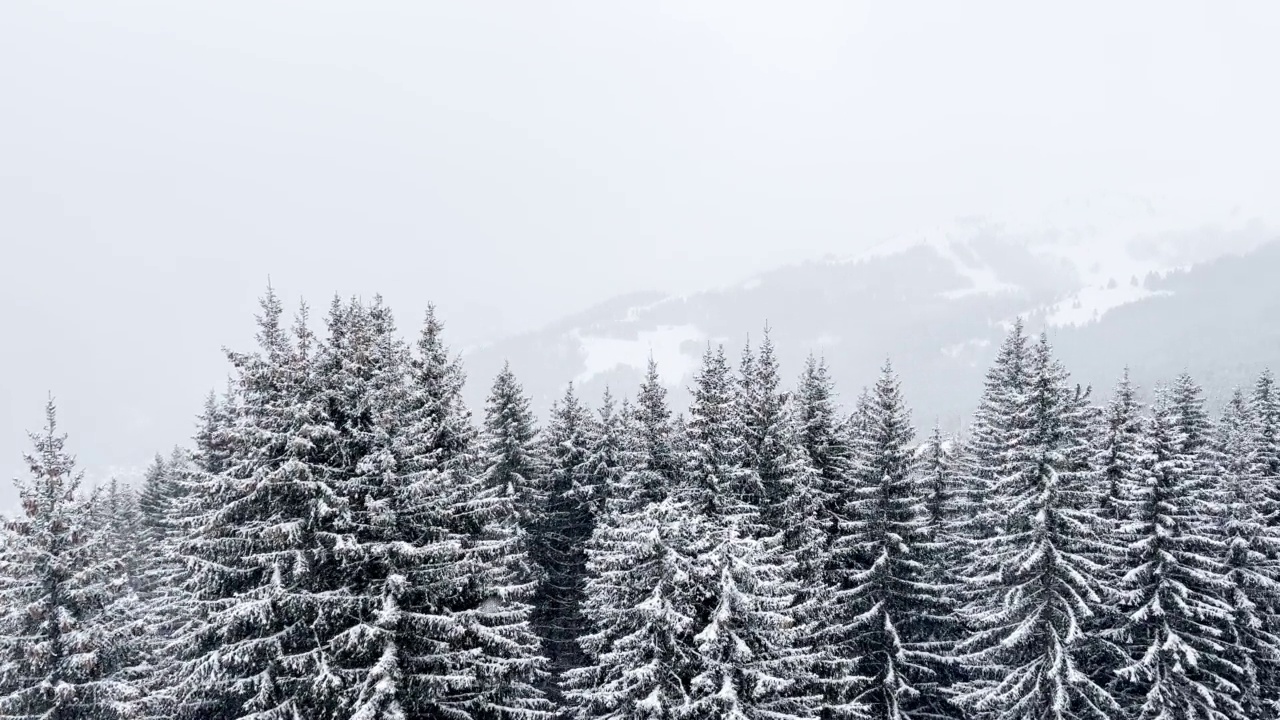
(663, 343)
(1092, 302)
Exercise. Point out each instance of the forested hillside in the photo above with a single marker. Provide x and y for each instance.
(343, 538)
(940, 306)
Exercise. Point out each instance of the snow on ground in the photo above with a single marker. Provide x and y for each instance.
(1092, 302)
(982, 280)
(662, 343)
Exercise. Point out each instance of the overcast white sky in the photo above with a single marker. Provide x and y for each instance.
(516, 161)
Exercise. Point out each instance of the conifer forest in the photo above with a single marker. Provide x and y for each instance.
(343, 539)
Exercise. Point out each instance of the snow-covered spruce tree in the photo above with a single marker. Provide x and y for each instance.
(363, 368)
(1264, 408)
(824, 479)
(935, 466)
(886, 610)
(158, 485)
(264, 558)
(986, 449)
(174, 609)
(1120, 449)
(1251, 568)
(718, 481)
(114, 513)
(610, 449)
(941, 553)
(804, 549)
(1175, 588)
(746, 662)
(129, 639)
(559, 536)
(441, 512)
(820, 435)
(764, 423)
(58, 658)
(637, 638)
(657, 470)
(511, 496)
(1039, 584)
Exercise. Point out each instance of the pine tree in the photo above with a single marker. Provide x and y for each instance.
(1175, 587)
(608, 454)
(638, 638)
(717, 479)
(657, 471)
(511, 496)
(1251, 567)
(886, 608)
(560, 535)
(176, 615)
(1120, 449)
(942, 555)
(804, 556)
(747, 663)
(764, 421)
(823, 473)
(824, 442)
(1264, 408)
(936, 467)
(265, 554)
(986, 450)
(1040, 584)
(129, 640)
(364, 365)
(438, 520)
(59, 659)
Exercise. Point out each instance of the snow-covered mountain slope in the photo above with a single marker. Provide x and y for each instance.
(935, 302)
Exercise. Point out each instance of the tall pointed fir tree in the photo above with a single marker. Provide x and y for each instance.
(559, 537)
(1264, 408)
(1120, 449)
(941, 551)
(1174, 590)
(121, 618)
(886, 609)
(718, 480)
(746, 663)
(441, 513)
(265, 554)
(511, 497)
(823, 440)
(657, 471)
(823, 473)
(935, 466)
(1251, 566)
(58, 658)
(366, 631)
(637, 638)
(987, 448)
(609, 448)
(764, 425)
(173, 594)
(1039, 582)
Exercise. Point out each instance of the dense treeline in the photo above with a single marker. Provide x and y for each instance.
(343, 540)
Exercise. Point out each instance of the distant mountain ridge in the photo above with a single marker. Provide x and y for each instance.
(1127, 287)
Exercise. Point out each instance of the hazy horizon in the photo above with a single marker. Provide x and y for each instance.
(514, 163)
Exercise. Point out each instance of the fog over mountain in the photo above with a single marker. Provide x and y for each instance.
(1114, 281)
(578, 186)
